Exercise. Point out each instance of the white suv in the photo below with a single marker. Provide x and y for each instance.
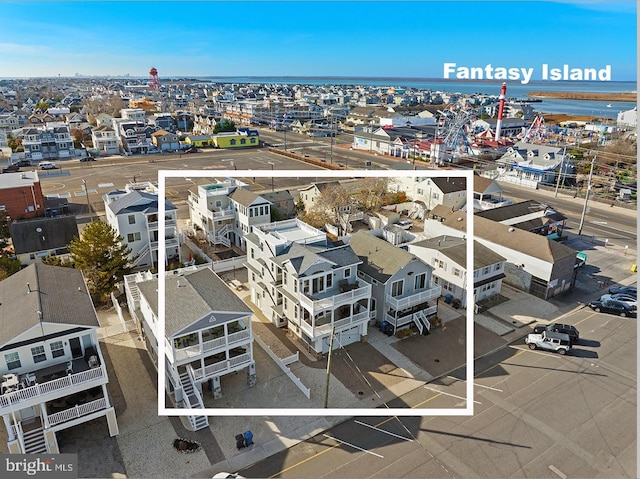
(558, 342)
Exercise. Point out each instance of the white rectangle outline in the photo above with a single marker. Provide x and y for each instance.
(348, 412)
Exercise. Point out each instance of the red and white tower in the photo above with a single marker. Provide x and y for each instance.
(154, 83)
(503, 94)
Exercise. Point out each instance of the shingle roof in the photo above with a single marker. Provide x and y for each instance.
(456, 249)
(41, 234)
(381, 259)
(190, 297)
(59, 293)
(244, 196)
(138, 201)
(513, 238)
(515, 210)
(450, 184)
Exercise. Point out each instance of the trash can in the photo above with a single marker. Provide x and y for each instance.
(248, 438)
(240, 441)
(448, 297)
(383, 326)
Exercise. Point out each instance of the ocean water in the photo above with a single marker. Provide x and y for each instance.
(514, 90)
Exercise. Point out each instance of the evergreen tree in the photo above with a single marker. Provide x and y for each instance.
(102, 257)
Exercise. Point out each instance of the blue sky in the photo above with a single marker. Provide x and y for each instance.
(321, 38)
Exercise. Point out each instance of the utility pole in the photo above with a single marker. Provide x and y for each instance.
(586, 196)
(562, 166)
(326, 389)
(86, 192)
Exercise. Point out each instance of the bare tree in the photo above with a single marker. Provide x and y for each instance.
(372, 192)
(110, 105)
(336, 204)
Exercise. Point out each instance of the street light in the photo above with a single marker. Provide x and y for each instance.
(271, 163)
(86, 192)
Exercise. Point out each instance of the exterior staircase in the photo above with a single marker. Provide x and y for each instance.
(34, 442)
(141, 254)
(192, 399)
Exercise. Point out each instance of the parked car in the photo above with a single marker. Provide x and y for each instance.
(613, 307)
(191, 150)
(87, 158)
(632, 290)
(405, 224)
(550, 341)
(47, 165)
(625, 298)
(11, 169)
(568, 329)
(23, 163)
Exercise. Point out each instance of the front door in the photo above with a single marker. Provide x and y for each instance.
(76, 349)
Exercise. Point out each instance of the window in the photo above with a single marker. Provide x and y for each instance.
(232, 142)
(38, 354)
(396, 288)
(252, 252)
(57, 349)
(329, 280)
(420, 281)
(485, 270)
(132, 219)
(253, 140)
(497, 266)
(131, 237)
(243, 141)
(347, 273)
(456, 272)
(12, 360)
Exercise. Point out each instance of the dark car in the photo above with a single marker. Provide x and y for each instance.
(632, 290)
(191, 150)
(87, 158)
(613, 307)
(11, 169)
(568, 329)
(23, 163)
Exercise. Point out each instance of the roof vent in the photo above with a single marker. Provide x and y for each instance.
(511, 229)
(460, 218)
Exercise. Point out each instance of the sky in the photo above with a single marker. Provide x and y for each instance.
(402, 39)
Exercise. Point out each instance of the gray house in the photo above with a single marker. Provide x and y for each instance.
(38, 238)
(402, 292)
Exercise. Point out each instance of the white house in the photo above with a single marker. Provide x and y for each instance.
(628, 118)
(207, 333)
(133, 213)
(226, 211)
(53, 373)
(402, 291)
(300, 280)
(448, 257)
(105, 140)
(528, 164)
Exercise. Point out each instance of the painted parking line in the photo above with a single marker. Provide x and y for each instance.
(448, 394)
(476, 384)
(105, 185)
(353, 446)
(382, 430)
(557, 471)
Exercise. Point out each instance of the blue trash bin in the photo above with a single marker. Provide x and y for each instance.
(448, 297)
(248, 438)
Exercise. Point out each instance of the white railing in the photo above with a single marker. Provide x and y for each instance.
(168, 243)
(332, 301)
(77, 411)
(217, 343)
(221, 214)
(221, 366)
(411, 300)
(403, 320)
(167, 223)
(341, 323)
(33, 392)
(283, 365)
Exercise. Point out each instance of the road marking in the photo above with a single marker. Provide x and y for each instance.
(448, 394)
(353, 446)
(476, 384)
(304, 460)
(557, 471)
(105, 185)
(382, 430)
(597, 223)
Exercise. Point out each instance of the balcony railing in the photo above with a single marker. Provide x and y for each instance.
(221, 366)
(22, 396)
(314, 306)
(168, 243)
(399, 303)
(221, 214)
(168, 222)
(77, 411)
(342, 323)
(402, 320)
(221, 343)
